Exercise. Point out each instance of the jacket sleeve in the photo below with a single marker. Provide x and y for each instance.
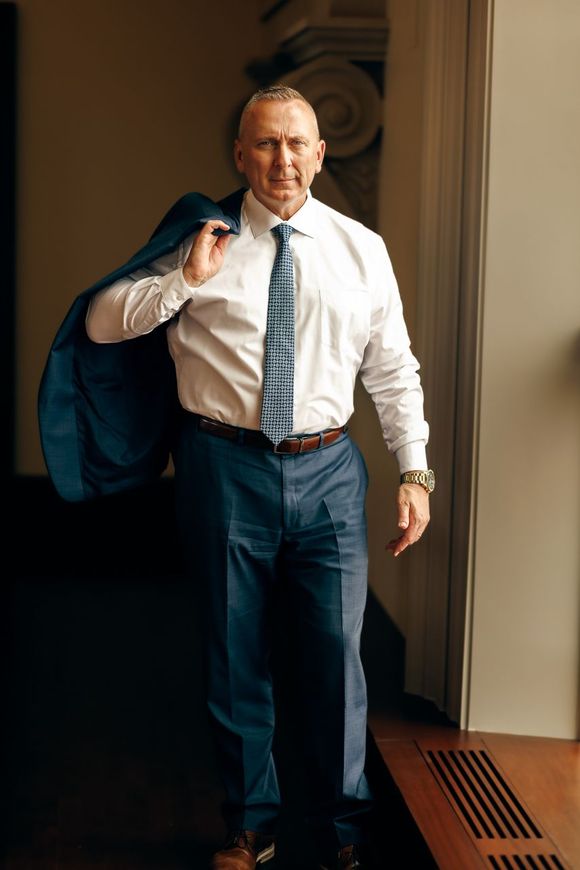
(107, 412)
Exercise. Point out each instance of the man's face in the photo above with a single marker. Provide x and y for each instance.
(280, 152)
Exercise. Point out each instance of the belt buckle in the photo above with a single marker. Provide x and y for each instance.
(289, 452)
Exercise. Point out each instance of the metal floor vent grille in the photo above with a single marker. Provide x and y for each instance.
(525, 862)
(482, 798)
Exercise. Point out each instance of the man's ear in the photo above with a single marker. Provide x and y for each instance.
(320, 151)
(238, 156)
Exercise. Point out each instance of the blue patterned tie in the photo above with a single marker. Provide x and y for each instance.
(278, 400)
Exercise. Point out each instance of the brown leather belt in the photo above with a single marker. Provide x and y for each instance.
(253, 438)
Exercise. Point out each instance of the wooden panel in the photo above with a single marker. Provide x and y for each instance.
(450, 845)
(499, 801)
(397, 725)
(547, 772)
(494, 813)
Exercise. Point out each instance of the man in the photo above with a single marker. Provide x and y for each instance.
(268, 332)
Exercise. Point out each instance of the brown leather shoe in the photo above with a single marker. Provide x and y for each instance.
(348, 858)
(243, 850)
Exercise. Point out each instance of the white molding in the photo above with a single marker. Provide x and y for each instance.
(445, 34)
(309, 28)
(469, 361)
(346, 101)
(353, 42)
(447, 319)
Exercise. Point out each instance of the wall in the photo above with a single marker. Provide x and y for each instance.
(123, 106)
(524, 662)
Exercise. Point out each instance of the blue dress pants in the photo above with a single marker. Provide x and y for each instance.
(251, 519)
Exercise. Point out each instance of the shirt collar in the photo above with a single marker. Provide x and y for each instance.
(261, 219)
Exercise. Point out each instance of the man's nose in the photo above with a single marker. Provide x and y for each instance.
(283, 155)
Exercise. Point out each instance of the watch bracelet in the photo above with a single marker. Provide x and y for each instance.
(419, 477)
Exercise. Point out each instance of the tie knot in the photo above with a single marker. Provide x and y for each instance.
(283, 232)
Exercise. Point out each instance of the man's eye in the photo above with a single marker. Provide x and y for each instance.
(265, 143)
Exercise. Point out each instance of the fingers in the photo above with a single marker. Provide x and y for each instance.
(219, 225)
(398, 545)
(403, 508)
(212, 232)
(413, 517)
(222, 242)
(206, 253)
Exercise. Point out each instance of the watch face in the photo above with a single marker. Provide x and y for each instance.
(430, 480)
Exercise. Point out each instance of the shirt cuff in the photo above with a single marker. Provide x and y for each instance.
(412, 457)
(175, 289)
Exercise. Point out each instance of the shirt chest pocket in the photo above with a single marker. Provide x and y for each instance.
(344, 318)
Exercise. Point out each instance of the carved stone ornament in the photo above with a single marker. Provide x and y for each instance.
(346, 101)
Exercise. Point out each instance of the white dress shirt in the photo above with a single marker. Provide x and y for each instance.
(349, 321)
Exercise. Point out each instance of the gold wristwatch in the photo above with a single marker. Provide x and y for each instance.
(426, 479)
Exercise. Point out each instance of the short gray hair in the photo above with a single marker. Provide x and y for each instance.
(275, 92)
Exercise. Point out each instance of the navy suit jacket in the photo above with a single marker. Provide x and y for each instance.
(107, 412)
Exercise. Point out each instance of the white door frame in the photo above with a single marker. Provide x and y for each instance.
(457, 42)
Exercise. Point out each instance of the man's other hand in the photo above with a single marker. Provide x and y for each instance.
(413, 511)
(207, 254)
